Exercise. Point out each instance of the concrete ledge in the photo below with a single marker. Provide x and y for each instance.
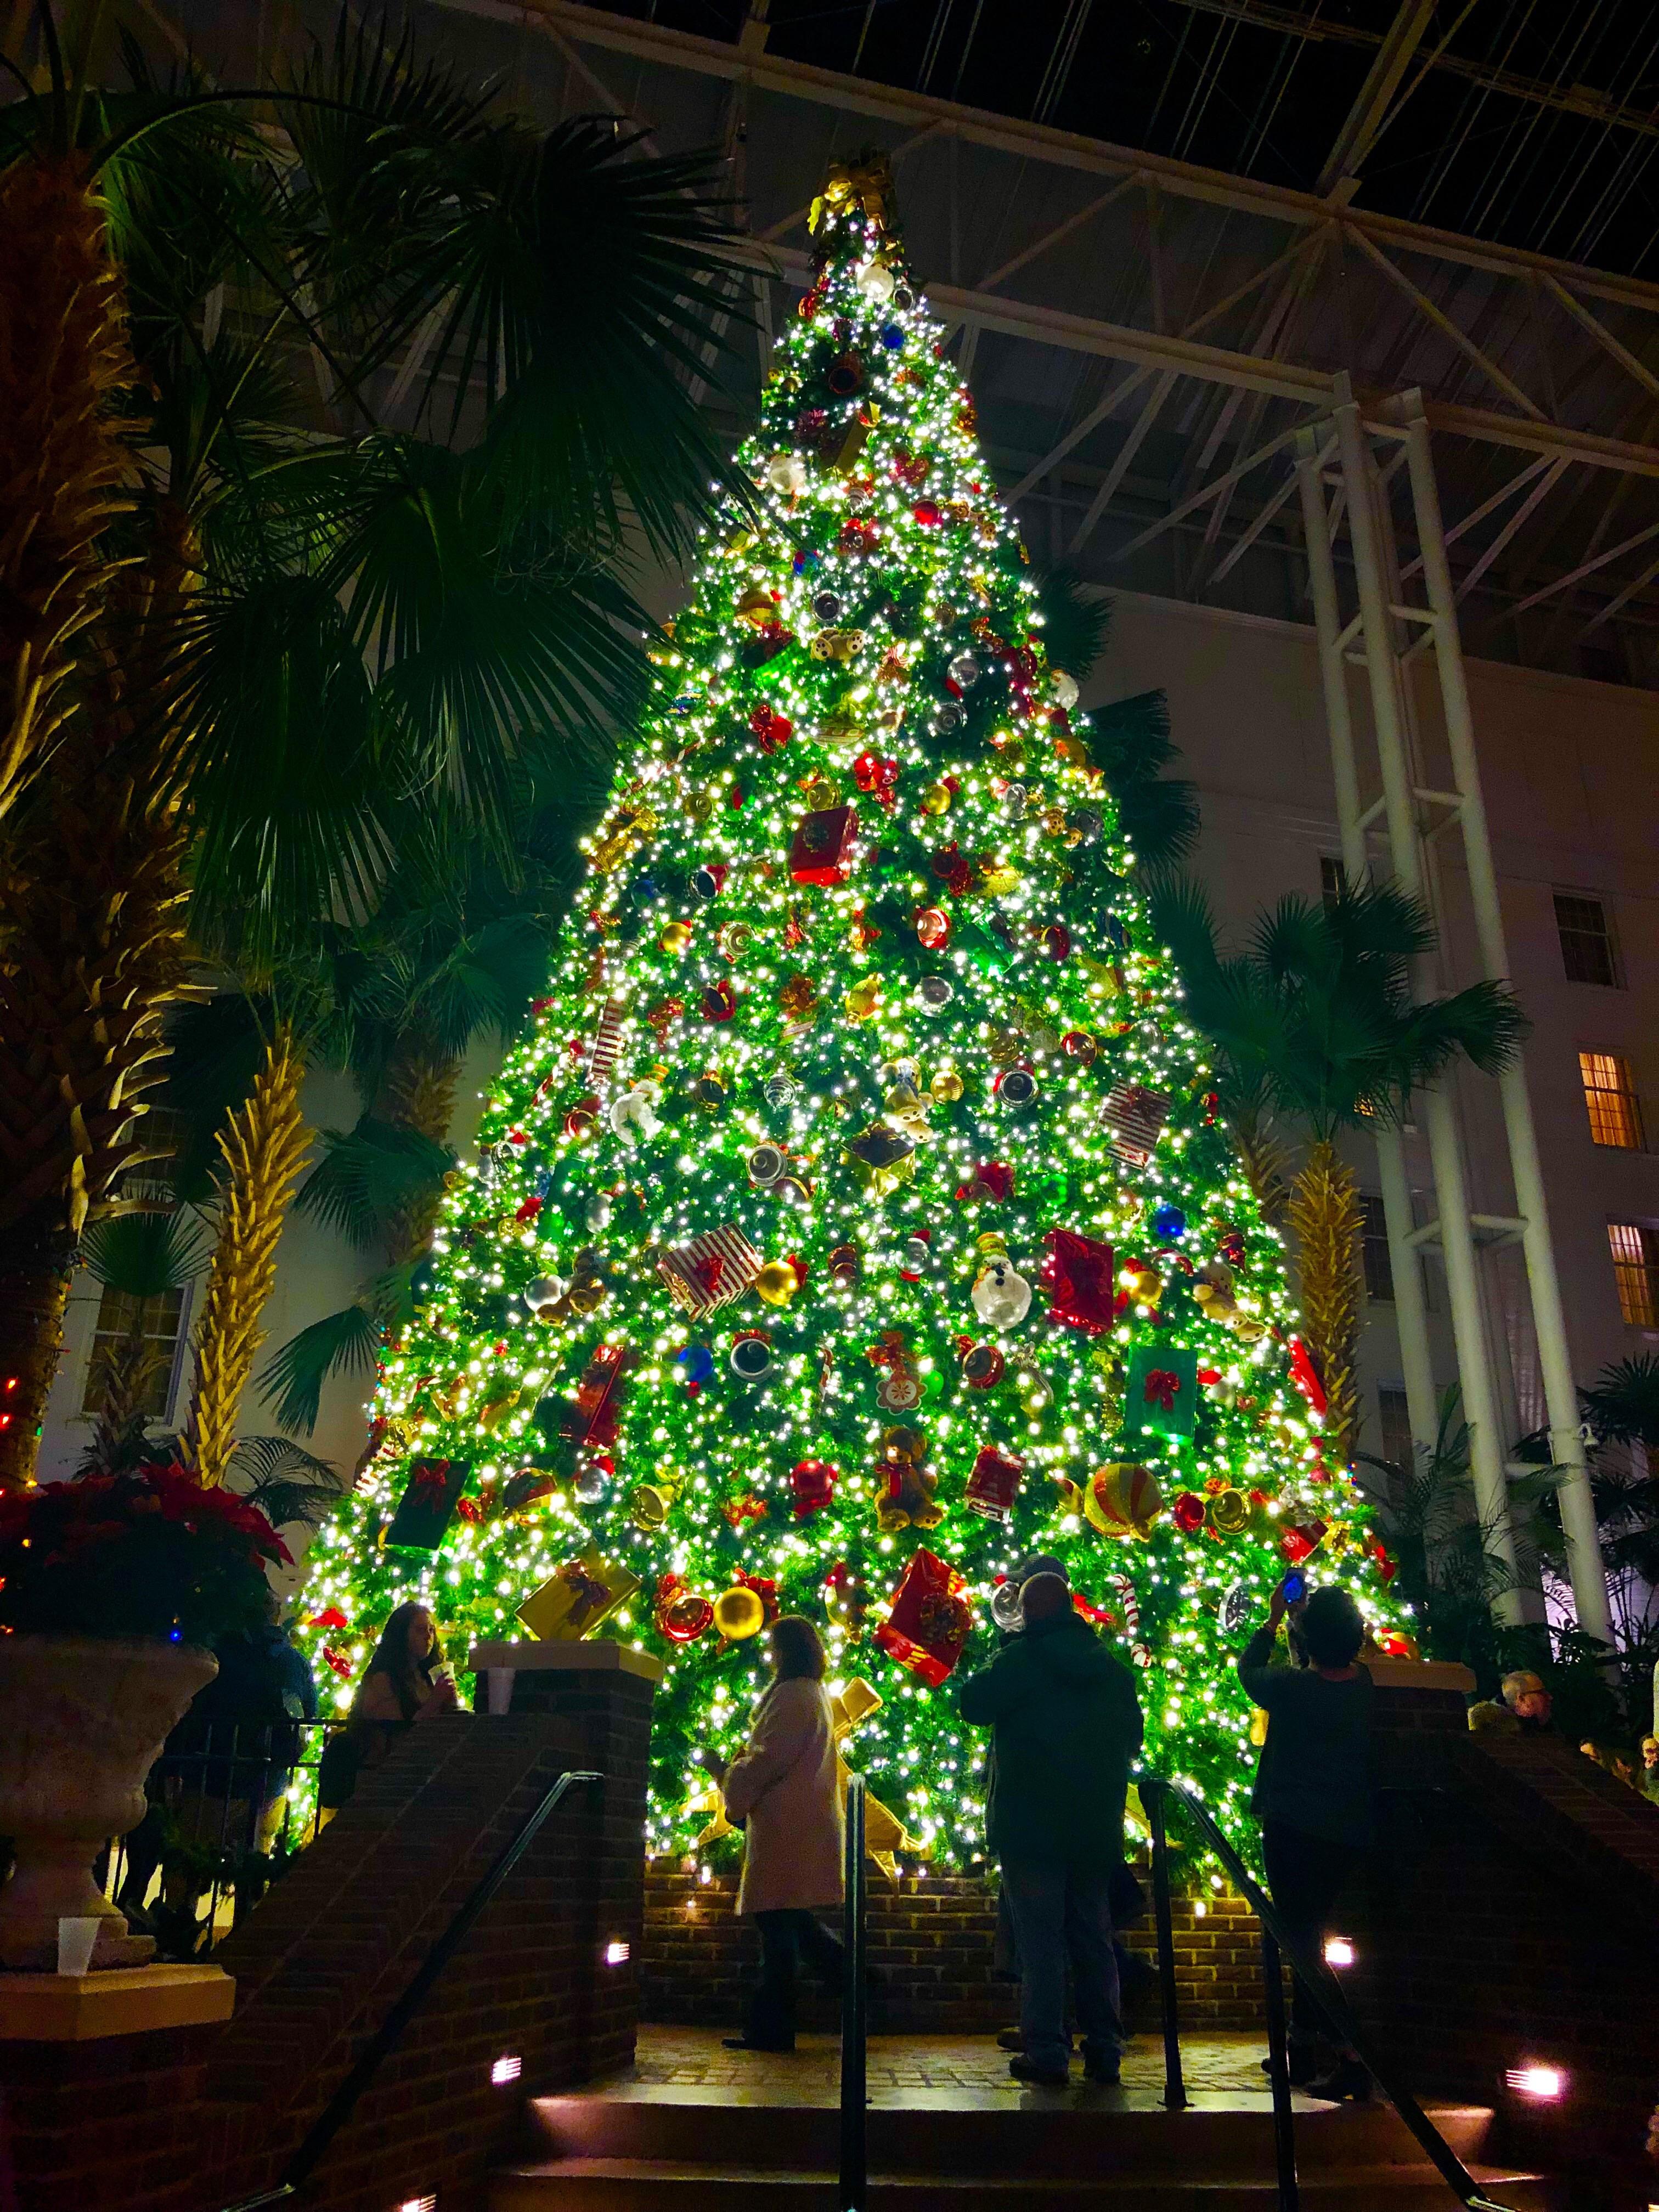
(125, 2001)
(597, 1656)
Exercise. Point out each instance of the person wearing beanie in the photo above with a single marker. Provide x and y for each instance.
(1065, 1725)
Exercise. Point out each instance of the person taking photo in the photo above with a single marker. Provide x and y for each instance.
(1313, 1797)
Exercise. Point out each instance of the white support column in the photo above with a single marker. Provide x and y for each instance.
(1486, 1453)
(1590, 1585)
(1411, 1319)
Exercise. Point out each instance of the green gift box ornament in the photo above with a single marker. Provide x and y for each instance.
(1160, 1397)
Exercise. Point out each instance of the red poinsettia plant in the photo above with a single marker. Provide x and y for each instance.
(147, 1551)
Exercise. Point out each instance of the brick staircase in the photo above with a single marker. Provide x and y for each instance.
(949, 2133)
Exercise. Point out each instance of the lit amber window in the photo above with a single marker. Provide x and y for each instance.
(1636, 1265)
(1615, 1112)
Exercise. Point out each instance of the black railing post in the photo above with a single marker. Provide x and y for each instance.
(1175, 2088)
(1278, 2072)
(854, 2123)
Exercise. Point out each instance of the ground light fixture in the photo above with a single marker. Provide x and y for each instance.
(1339, 1951)
(1543, 2084)
(617, 1953)
(507, 2068)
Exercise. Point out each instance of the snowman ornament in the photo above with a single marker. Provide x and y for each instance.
(1001, 1297)
(633, 1116)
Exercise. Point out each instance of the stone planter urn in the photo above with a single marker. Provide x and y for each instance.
(83, 1719)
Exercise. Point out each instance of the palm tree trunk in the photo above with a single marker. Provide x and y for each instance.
(1325, 1218)
(92, 953)
(264, 1147)
(33, 1293)
(419, 1091)
(63, 363)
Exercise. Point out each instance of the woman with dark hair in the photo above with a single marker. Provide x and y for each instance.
(783, 1790)
(1313, 1797)
(406, 1680)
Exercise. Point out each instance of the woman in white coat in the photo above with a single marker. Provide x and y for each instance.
(783, 1789)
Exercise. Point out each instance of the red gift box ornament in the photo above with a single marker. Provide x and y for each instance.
(1135, 1117)
(824, 844)
(994, 1484)
(1301, 1541)
(929, 1620)
(1305, 1376)
(709, 1271)
(1080, 1273)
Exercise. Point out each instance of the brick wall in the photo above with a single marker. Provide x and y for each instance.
(1511, 1913)
(201, 2119)
(96, 2127)
(931, 1941)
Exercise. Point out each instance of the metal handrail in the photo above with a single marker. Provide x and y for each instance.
(854, 2016)
(340, 2106)
(1276, 1939)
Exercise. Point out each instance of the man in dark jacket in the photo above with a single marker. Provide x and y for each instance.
(1068, 1723)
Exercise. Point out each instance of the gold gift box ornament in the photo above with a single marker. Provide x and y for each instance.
(576, 1597)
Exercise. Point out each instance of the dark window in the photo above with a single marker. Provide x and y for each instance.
(1374, 1250)
(1333, 879)
(1394, 1424)
(1586, 940)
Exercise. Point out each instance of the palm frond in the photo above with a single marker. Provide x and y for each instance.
(345, 1343)
(1076, 621)
(287, 1483)
(370, 1174)
(1623, 1402)
(287, 780)
(143, 1255)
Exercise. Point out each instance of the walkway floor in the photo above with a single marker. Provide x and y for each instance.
(1219, 2067)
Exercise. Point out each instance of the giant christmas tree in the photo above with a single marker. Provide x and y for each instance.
(856, 1218)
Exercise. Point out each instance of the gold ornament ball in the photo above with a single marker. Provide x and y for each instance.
(738, 1613)
(676, 938)
(946, 1086)
(777, 1282)
(862, 1001)
(936, 799)
(701, 805)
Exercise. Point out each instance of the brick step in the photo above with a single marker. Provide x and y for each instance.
(943, 2131)
(620, 2184)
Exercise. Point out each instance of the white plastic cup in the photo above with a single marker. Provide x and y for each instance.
(77, 1940)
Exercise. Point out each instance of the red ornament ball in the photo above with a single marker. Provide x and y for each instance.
(813, 1482)
(927, 512)
(1187, 1513)
(934, 928)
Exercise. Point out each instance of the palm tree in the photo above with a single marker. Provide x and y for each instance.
(1316, 1026)
(445, 964)
(327, 635)
(1129, 739)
